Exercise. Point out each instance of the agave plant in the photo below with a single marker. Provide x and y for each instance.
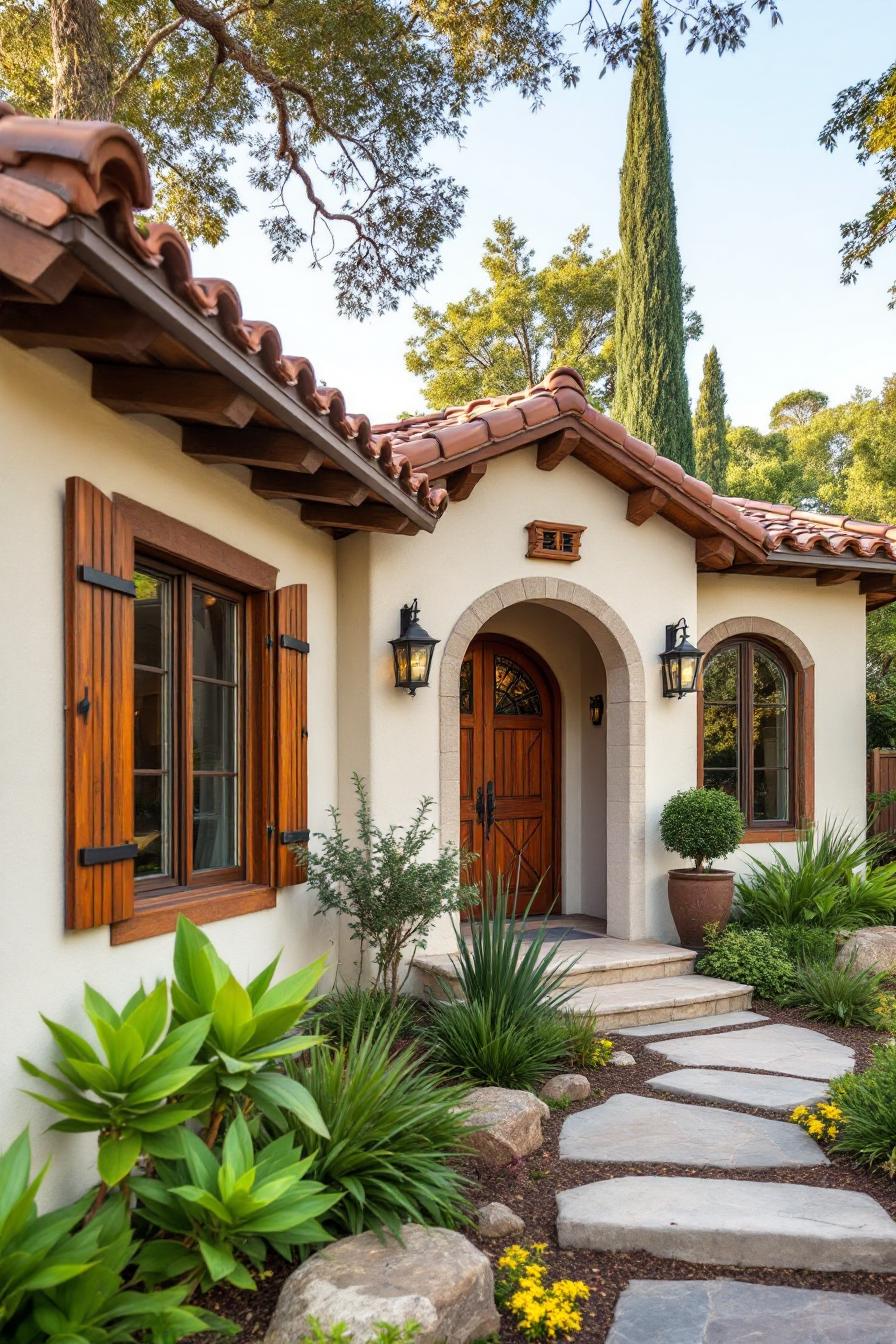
(223, 1213)
(250, 1028)
(122, 1090)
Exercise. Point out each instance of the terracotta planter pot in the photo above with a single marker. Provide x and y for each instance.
(697, 899)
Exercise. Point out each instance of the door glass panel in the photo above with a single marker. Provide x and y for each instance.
(152, 723)
(515, 691)
(466, 686)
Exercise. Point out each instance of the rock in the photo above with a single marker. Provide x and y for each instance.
(437, 1278)
(705, 1221)
(770, 1092)
(567, 1087)
(623, 1059)
(496, 1220)
(687, 1025)
(644, 1129)
(505, 1123)
(706, 1311)
(872, 949)
(796, 1051)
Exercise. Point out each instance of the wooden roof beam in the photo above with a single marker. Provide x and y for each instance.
(252, 447)
(878, 583)
(825, 578)
(365, 518)
(556, 448)
(331, 487)
(180, 393)
(715, 553)
(87, 323)
(462, 484)
(36, 262)
(643, 504)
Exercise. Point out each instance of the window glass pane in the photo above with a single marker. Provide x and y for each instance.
(214, 726)
(150, 720)
(770, 737)
(720, 676)
(726, 780)
(152, 723)
(515, 692)
(466, 687)
(720, 744)
(151, 618)
(214, 822)
(769, 680)
(151, 841)
(771, 795)
(214, 636)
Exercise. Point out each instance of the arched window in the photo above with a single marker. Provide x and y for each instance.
(749, 719)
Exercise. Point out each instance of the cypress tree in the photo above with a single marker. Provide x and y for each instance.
(711, 425)
(651, 386)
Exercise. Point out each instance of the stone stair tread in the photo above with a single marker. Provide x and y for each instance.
(584, 956)
(665, 991)
(692, 1024)
(630, 1128)
(717, 1222)
(717, 1311)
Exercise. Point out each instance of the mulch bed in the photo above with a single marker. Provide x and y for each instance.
(529, 1187)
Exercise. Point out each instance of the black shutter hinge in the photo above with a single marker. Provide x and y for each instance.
(100, 579)
(89, 858)
(270, 828)
(298, 645)
(295, 837)
(269, 641)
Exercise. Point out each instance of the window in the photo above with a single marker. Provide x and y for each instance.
(189, 732)
(554, 541)
(515, 691)
(748, 731)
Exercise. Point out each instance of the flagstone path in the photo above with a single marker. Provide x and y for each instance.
(692, 1024)
(716, 1221)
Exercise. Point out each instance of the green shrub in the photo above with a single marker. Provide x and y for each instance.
(838, 994)
(383, 1333)
(350, 1007)
(822, 884)
(223, 1213)
(489, 1047)
(868, 1103)
(394, 1135)
(389, 896)
(749, 956)
(805, 943)
(701, 824)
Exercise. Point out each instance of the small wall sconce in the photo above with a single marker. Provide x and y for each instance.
(596, 706)
(681, 662)
(412, 651)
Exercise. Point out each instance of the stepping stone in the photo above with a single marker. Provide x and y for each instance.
(716, 1222)
(644, 1129)
(712, 1311)
(771, 1092)
(795, 1051)
(688, 1025)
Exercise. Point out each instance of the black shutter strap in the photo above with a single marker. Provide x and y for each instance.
(100, 579)
(298, 645)
(295, 837)
(89, 858)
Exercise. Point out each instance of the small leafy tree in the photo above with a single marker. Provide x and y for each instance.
(389, 895)
(701, 824)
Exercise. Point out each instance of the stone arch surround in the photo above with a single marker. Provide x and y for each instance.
(624, 727)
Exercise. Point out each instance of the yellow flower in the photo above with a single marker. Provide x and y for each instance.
(799, 1112)
(832, 1131)
(815, 1127)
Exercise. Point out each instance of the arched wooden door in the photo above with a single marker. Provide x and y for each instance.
(508, 789)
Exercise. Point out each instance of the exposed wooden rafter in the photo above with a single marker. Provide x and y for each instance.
(643, 504)
(87, 323)
(556, 448)
(365, 518)
(252, 447)
(332, 487)
(462, 484)
(877, 583)
(37, 263)
(180, 393)
(826, 577)
(715, 553)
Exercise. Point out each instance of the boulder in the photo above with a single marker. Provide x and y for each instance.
(872, 949)
(436, 1278)
(566, 1087)
(505, 1123)
(623, 1059)
(496, 1220)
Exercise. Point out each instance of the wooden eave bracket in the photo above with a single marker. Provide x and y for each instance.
(89, 324)
(179, 393)
(40, 265)
(826, 578)
(715, 553)
(556, 448)
(462, 484)
(253, 446)
(364, 518)
(326, 486)
(643, 504)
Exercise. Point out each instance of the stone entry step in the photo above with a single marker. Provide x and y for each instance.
(765, 1091)
(629, 1128)
(725, 1311)
(672, 998)
(795, 1051)
(706, 1221)
(711, 1023)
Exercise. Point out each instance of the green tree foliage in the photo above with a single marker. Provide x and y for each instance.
(797, 408)
(337, 104)
(865, 115)
(711, 450)
(651, 386)
(762, 466)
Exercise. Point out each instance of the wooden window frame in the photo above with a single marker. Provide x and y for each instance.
(801, 715)
(168, 543)
(537, 550)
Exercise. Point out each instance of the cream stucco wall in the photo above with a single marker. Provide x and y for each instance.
(52, 429)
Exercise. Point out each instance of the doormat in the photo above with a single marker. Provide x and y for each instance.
(557, 935)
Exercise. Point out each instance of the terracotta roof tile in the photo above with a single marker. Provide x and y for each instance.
(803, 530)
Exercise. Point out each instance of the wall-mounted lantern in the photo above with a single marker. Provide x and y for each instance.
(412, 651)
(596, 707)
(681, 661)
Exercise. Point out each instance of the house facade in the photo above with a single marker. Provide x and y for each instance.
(205, 558)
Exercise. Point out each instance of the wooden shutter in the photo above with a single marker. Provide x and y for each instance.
(99, 709)
(291, 626)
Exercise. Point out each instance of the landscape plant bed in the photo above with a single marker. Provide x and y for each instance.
(530, 1186)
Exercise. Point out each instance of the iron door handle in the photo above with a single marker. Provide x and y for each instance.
(480, 806)
(489, 807)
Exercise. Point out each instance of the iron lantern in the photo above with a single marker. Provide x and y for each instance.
(596, 708)
(681, 662)
(412, 651)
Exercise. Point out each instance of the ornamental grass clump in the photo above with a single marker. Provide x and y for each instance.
(868, 1103)
(540, 1309)
(702, 825)
(840, 994)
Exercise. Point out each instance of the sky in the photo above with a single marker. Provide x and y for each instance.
(759, 209)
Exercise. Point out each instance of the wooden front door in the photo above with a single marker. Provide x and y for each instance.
(507, 769)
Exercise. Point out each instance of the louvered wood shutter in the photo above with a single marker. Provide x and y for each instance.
(291, 619)
(99, 709)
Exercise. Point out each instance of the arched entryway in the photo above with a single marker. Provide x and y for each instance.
(509, 770)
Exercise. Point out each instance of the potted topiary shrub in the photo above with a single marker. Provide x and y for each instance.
(703, 825)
